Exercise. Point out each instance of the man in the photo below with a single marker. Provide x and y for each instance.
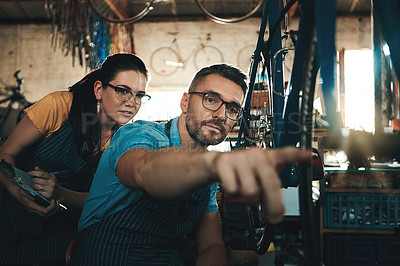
(157, 182)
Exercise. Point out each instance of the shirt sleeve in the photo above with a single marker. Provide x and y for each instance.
(49, 114)
(212, 203)
(139, 134)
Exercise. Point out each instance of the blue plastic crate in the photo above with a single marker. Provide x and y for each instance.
(362, 211)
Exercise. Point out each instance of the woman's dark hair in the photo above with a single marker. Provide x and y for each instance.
(83, 113)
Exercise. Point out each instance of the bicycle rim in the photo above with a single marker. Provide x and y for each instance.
(260, 230)
(121, 11)
(165, 61)
(229, 11)
(208, 55)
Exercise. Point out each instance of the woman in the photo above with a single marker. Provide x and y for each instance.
(64, 133)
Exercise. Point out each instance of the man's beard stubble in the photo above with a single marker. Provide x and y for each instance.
(194, 128)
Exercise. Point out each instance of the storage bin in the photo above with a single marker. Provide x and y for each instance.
(362, 211)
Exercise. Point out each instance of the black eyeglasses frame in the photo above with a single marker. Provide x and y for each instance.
(204, 93)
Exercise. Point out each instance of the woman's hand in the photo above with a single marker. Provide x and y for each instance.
(29, 202)
(46, 184)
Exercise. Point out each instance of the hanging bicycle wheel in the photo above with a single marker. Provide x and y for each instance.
(229, 11)
(121, 11)
(207, 55)
(165, 61)
(243, 58)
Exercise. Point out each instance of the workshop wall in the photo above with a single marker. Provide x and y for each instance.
(28, 47)
(45, 69)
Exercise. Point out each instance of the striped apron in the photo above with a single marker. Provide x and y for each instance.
(148, 232)
(28, 238)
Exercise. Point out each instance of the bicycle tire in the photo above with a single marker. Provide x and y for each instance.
(229, 11)
(305, 172)
(260, 231)
(165, 61)
(121, 11)
(207, 55)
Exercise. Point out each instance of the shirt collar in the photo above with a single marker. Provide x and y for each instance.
(174, 133)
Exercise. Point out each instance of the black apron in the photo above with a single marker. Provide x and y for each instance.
(150, 231)
(28, 238)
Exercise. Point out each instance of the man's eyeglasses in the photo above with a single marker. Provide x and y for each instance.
(125, 95)
(213, 102)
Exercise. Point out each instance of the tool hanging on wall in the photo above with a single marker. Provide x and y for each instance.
(79, 31)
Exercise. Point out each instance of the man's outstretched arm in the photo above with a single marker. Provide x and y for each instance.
(174, 172)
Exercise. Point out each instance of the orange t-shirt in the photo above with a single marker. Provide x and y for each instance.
(50, 113)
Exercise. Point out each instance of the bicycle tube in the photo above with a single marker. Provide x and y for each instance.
(256, 58)
(207, 55)
(256, 127)
(121, 11)
(229, 11)
(165, 61)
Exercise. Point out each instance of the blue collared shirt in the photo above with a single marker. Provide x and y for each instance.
(107, 195)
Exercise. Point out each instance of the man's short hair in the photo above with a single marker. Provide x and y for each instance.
(224, 70)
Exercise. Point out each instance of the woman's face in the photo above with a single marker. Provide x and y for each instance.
(114, 110)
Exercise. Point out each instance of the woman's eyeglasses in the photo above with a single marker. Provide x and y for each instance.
(124, 95)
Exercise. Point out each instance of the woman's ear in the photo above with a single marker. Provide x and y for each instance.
(185, 102)
(98, 89)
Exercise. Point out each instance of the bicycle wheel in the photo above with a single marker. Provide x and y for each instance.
(207, 55)
(229, 11)
(165, 61)
(260, 230)
(309, 70)
(259, 132)
(243, 58)
(121, 11)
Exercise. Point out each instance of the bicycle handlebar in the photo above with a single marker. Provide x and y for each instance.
(19, 80)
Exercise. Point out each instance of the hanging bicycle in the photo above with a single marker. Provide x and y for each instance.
(167, 60)
(14, 100)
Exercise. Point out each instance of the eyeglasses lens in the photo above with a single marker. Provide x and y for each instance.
(214, 102)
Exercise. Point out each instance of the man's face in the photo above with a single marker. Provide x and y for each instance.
(212, 127)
